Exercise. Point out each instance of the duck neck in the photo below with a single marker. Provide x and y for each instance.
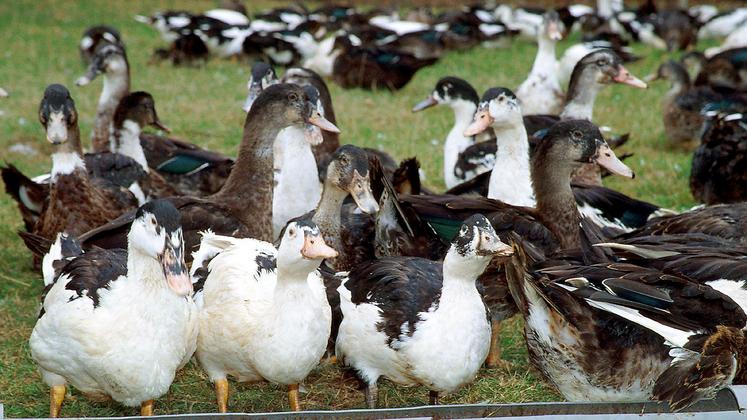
(460, 270)
(555, 201)
(250, 183)
(456, 141)
(327, 217)
(143, 269)
(126, 140)
(116, 87)
(545, 61)
(510, 180)
(293, 271)
(679, 82)
(582, 94)
(66, 158)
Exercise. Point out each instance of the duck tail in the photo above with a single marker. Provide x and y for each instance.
(521, 284)
(406, 178)
(28, 195)
(210, 246)
(64, 248)
(693, 376)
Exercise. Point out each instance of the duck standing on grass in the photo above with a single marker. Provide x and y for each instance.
(264, 314)
(117, 323)
(417, 321)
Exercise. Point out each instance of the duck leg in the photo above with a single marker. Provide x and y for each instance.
(372, 395)
(56, 396)
(295, 403)
(494, 356)
(146, 408)
(434, 398)
(221, 394)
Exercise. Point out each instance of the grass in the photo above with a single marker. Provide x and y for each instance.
(203, 104)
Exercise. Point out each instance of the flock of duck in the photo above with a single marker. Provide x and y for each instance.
(153, 249)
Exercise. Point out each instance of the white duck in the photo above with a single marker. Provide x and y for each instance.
(102, 310)
(417, 321)
(540, 93)
(264, 313)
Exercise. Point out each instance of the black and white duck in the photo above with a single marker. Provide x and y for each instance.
(724, 72)
(719, 167)
(540, 93)
(416, 321)
(101, 310)
(186, 166)
(94, 37)
(243, 206)
(373, 67)
(265, 315)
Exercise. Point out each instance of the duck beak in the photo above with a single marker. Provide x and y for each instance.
(490, 244)
(318, 120)
(91, 73)
(482, 121)
(174, 268)
(161, 126)
(3, 93)
(651, 78)
(360, 190)
(312, 134)
(57, 128)
(626, 78)
(254, 90)
(314, 248)
(606, 158)
(553, 32)
(425, 104)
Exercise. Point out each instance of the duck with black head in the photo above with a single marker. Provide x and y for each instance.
(243, 206)
(417, 321)
(102, 309)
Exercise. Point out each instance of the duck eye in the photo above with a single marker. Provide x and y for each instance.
(576, 134)
(293, 96)
(292, 232)
(153, 221)
(600, 63)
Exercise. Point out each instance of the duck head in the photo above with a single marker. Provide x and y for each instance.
(291, 104)
(449, 91)
(262, 76)
(156, 233)
(575, 142)
(302, 247)
(108, 58)
(312, 132)
(140, 108)
(349, 172)
(498, 108)
(57, 114)
(604, 67)
(672, 71)
(477, 239)
(552, 27)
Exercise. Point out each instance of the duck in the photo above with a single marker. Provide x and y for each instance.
(243, 206)
(723, 72)
(462, 98)
(399, 314)
(94, 37)
(677, 28)
(373, 67)
(185, 166)
(568, 320)
(716, 174)
(256, 301)
(540, 93)
(262, 75)
(720, 25)
(102, 308)
(75, 203)
(736, 39)
(683, 104)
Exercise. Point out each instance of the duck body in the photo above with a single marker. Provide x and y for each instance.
(101, 310)
(402, 317)
(718, 166)
(278, 327)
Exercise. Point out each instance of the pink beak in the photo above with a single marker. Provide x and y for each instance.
(481, 122)
(606, 158)
(314, 248)
(624, 77)
(318, 120)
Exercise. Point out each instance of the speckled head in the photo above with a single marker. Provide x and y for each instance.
(262, 76)
(57, 113)
(605, 67)
(139, 107)
(349, 172)
(156, 232)
(108, 58)
(448, 90)
(498, 107)
(478, 238)
(289, 104)
(303, 245)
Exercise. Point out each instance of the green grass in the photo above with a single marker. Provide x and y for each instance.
(39, 40)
